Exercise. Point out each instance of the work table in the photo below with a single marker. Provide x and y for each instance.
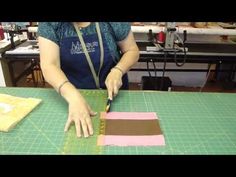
(192, 123)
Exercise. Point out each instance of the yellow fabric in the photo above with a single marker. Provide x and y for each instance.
(14, 109)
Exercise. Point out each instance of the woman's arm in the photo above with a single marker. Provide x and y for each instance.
(130, 56)
(50, 65)
(130, 52)
(79, 110)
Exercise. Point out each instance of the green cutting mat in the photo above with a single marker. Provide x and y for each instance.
(193, 123)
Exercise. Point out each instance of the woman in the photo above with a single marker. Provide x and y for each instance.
(86, 55)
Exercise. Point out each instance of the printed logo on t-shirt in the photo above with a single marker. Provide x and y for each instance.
(76, 48)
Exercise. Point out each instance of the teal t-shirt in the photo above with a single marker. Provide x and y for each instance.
(113, 32)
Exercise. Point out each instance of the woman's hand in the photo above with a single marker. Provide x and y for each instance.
(113, 82)
(80, 113)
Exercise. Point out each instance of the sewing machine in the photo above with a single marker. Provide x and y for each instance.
(168, 40)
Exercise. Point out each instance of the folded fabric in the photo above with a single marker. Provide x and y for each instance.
(130, 129)
(13, 109)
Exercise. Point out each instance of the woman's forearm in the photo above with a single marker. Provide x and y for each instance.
(55, 77)
(128, 59)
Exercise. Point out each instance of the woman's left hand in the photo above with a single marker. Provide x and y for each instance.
(113, 82)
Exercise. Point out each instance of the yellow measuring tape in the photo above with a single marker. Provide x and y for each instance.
(95, 76)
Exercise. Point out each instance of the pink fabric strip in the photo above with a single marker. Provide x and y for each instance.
(112, 140)
(129, 115)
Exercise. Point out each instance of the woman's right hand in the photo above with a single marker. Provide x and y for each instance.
(80, 113)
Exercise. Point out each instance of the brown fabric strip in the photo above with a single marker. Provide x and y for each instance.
(132, 127)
